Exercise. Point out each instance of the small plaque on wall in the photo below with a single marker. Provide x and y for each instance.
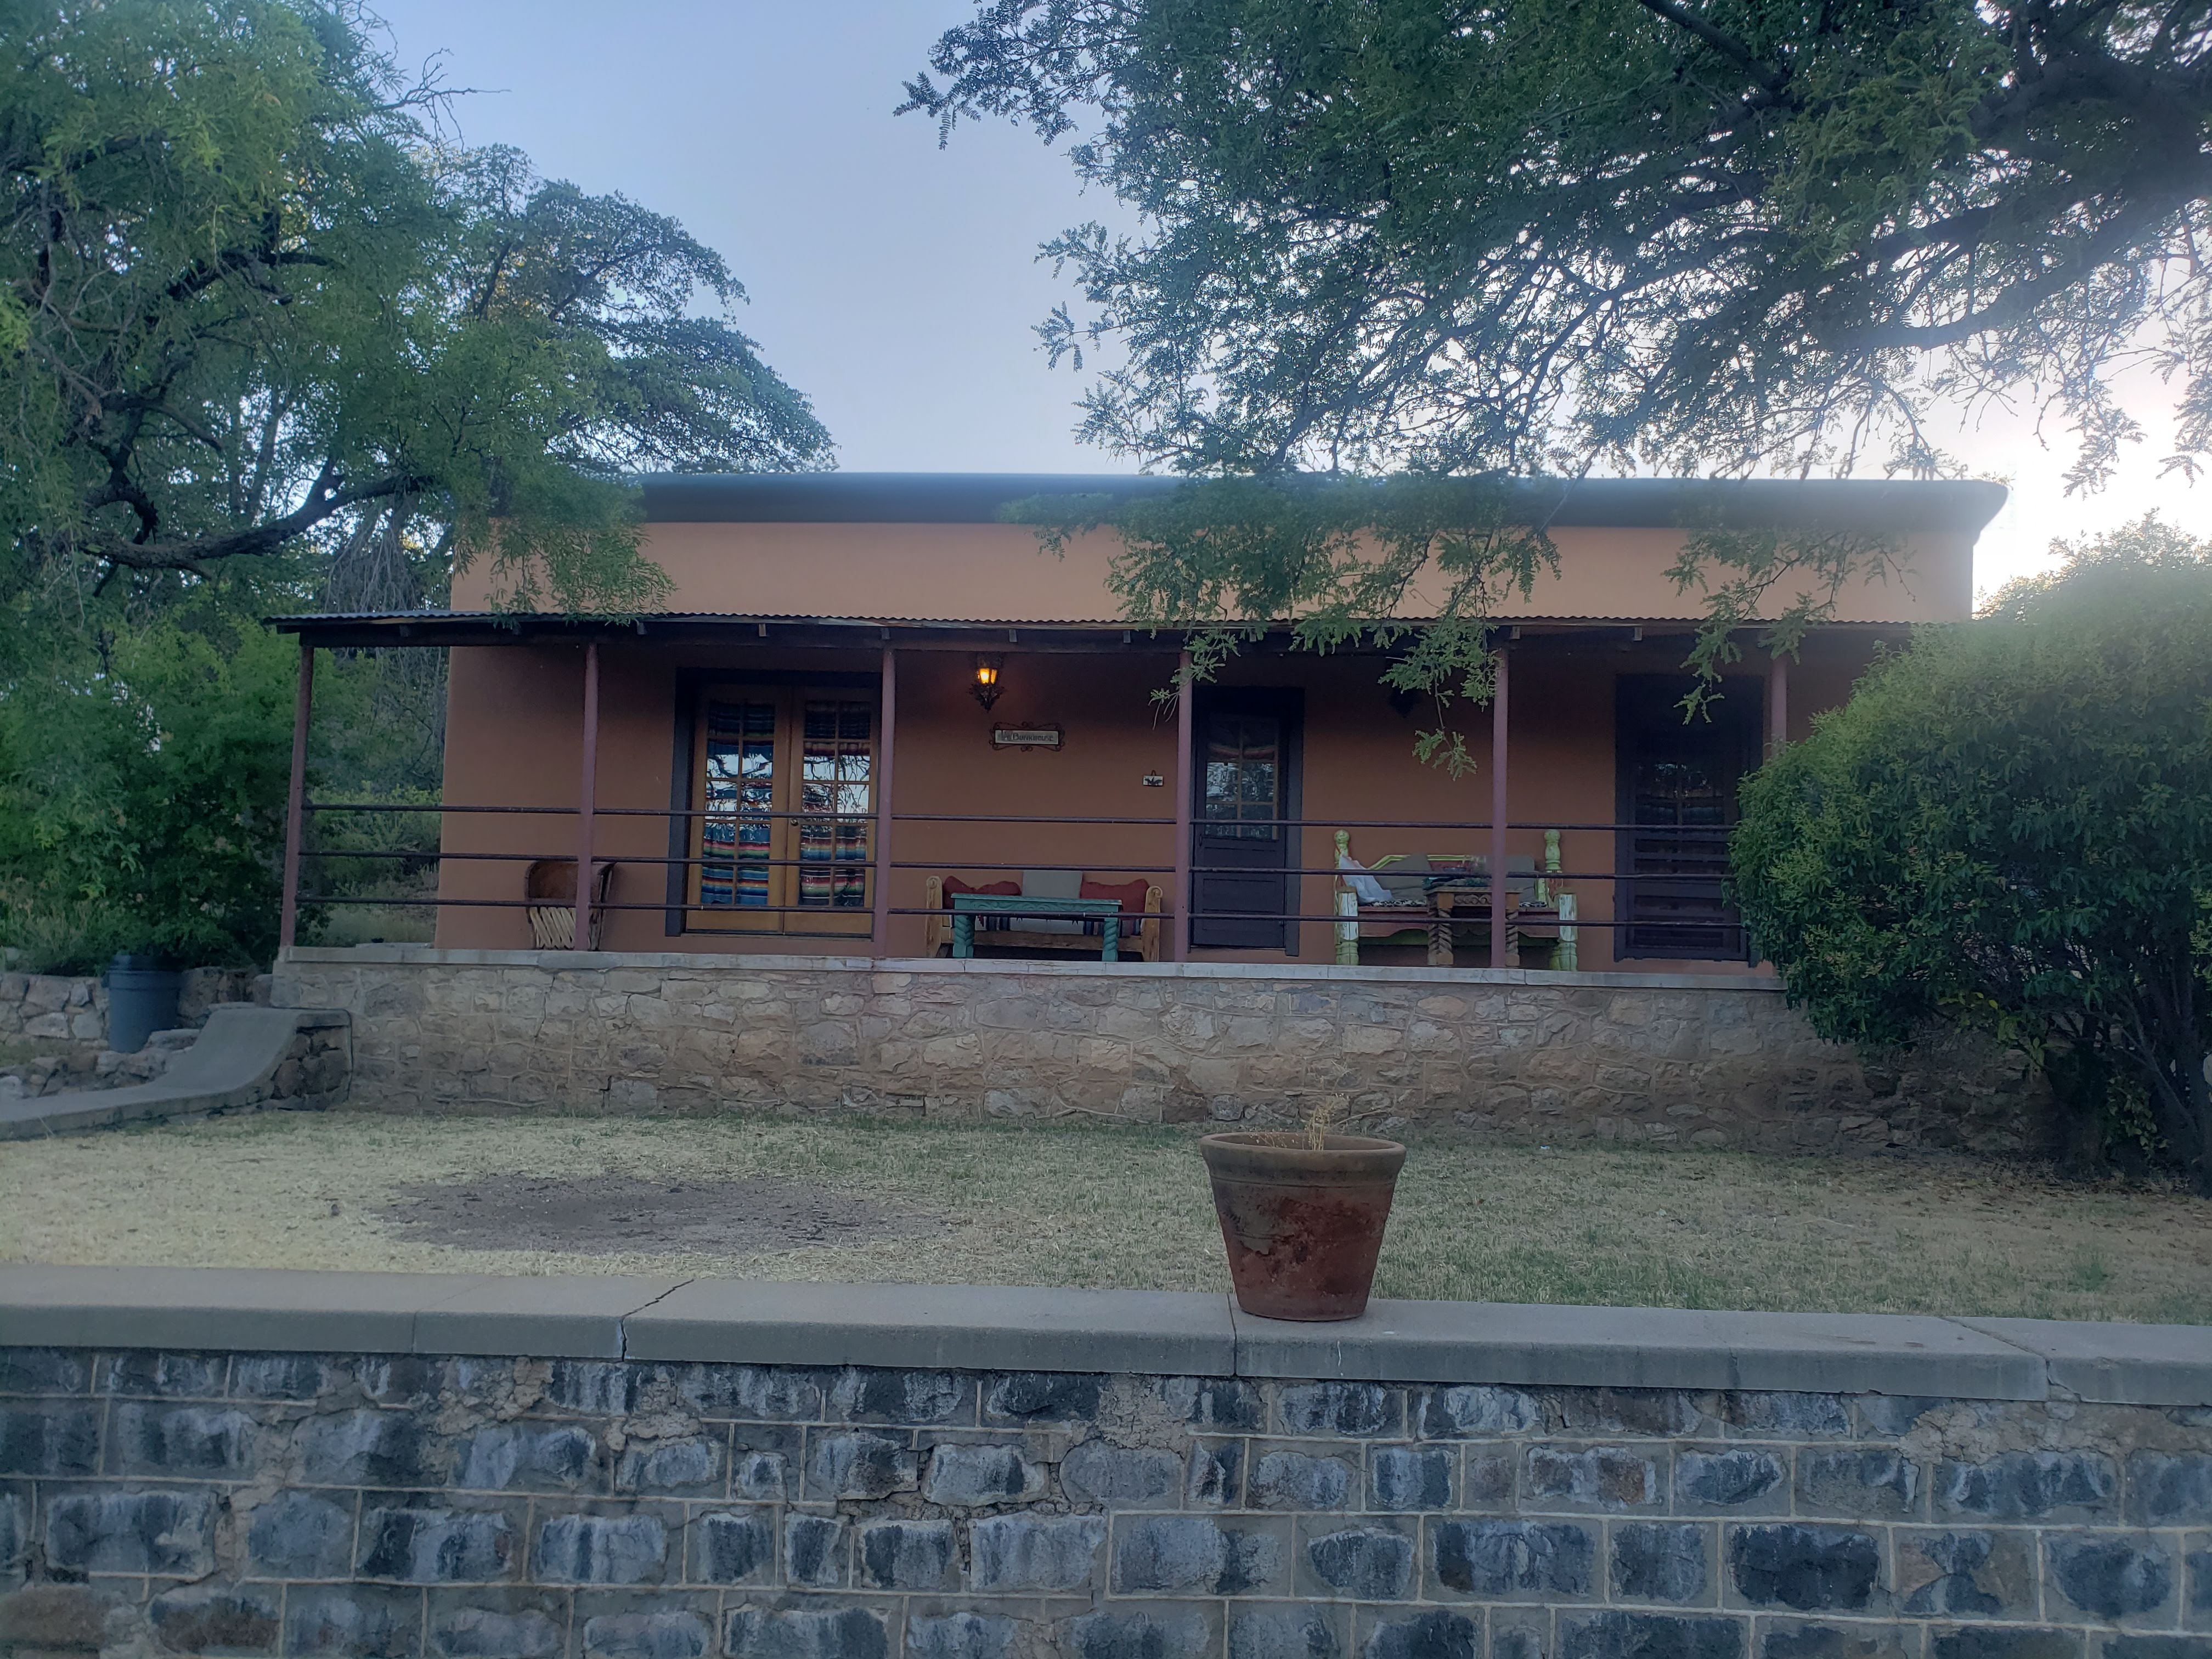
(1025, 737)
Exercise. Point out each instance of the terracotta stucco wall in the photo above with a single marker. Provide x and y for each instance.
(957, 572)
(514, 735)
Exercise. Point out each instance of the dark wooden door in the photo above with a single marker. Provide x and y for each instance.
(1677, 788)
(1247, 770)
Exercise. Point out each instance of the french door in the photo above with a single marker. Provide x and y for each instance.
(784, 777)
(1247, 769)
(1677, 790)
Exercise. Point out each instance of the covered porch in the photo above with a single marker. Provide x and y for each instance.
(810, 786)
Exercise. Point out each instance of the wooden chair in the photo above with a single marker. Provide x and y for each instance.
(1141, 938)
(550, 885)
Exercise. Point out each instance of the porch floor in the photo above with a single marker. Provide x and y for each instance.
(1094, 1205)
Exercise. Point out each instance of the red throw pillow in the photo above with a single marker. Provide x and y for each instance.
(1131, 893)
(1002, 888)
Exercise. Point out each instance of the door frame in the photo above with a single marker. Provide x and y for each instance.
(691, 683)
(1737, 695)
(1287, 703)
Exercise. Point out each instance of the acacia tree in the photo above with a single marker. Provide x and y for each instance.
(1493, 237)
(248, 296)
(1699, 234)
(2009, 828)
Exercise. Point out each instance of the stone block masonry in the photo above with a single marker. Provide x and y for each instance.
(419, 1505)
(1707, 1061)
(53, 1030)
(243, 1059)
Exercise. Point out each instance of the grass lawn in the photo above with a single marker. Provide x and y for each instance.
(1100, 1205)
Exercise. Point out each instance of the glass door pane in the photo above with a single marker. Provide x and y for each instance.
(1243, 776)
(737, 835)
(1677, 789)
(836, 796)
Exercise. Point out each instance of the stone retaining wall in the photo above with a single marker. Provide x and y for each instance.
(420, 1506)
(1664, 1061)
(53, 1030)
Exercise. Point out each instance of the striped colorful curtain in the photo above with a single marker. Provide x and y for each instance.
(739, 836)
(836, 769)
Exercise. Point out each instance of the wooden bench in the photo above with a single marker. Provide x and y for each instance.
(1438, 895)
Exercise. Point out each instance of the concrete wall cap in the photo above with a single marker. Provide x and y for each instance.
(960, 1326)
(987, 1327)
(2114, 1364)
(704, 963)
(1650, 1348)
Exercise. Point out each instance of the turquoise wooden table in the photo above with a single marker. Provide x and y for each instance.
(966, 907)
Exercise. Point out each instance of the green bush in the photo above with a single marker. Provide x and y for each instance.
(142, 806)
(2009, 828)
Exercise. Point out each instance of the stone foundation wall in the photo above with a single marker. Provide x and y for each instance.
(316, 1071)
(1717, 1060)
(405, 1506)
(53, 1030)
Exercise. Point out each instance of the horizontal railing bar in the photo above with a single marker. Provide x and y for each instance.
(993, 818)
(863, 865)
(848, 866)
(386, 806)
(1688, 832)
(946, 864)
(858, 911)
(1420, 922)
(740, 813)
(860, 866)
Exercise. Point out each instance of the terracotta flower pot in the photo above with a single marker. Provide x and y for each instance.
(1303, 1225)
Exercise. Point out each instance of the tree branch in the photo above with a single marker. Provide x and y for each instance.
(1719, 40)
(324, 498)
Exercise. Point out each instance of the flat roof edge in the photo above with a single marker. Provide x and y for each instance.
(988, 1328)
(507, 627)
(1597, 504)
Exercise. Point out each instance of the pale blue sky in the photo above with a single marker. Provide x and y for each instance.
(897, 284)
(894, 284)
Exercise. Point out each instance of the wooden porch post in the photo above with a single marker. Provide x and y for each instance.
(586, 793)
(1778, 703)
(295, 800)
(881, 929)
(1179, 920)
(1498, 815)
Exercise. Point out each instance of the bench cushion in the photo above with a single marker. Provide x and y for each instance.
(1130, 893)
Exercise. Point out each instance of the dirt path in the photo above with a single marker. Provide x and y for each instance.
(616, 1214)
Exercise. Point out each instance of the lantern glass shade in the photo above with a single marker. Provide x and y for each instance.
(987, 679)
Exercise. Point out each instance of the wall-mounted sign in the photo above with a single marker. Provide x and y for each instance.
(1025, 737)
(1155, 780)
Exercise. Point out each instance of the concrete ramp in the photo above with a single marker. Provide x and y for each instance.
(246, 1057)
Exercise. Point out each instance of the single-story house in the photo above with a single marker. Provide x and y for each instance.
(885, 809)
(868, 690)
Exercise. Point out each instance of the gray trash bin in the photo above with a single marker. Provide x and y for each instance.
(142, 999)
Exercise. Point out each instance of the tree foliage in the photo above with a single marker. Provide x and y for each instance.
(1419, 564)
(2009, 827)
(1345, 561)
(141, 808)
(143, 786)
(248, 295)
(1699, 236)
(269, 341)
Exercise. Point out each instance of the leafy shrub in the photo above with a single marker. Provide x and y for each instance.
(2009, 827)
(142, 808)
